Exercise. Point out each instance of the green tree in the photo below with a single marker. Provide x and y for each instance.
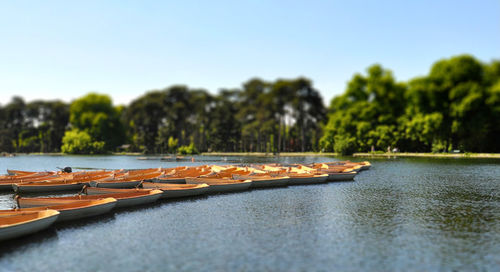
(94, 113)
(366, 114)
(80, 142)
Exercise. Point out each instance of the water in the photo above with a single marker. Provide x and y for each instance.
(402, 215)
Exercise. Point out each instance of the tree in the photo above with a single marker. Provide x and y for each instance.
(94, 114)
(366, 114)
(80, 142)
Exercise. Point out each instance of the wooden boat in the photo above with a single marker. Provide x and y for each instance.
(366, 165)
(129, 179)
(6, 182)
(178, 190)
(305, 179)
(218, 185)
(123, 199)
(6, 186)
(19, 172)
(174, 180)
(75, 209)
(14, 224)
(115, 183)
(343, 176)
(101, 191)
(264, 181)
(47, 186)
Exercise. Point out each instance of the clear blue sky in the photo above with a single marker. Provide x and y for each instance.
(64, 49)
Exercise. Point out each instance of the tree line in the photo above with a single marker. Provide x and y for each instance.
(455, 106)
(262, 116)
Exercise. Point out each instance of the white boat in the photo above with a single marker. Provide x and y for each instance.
(307, 179)
(178, 190)
(221, 185)
(343, 176)
(78, 209)
(15, 224)
(265, 181)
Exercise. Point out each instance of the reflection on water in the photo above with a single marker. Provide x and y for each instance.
(404, 214)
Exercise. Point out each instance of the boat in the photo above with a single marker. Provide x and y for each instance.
(366, 165)
(6, 185)
(264, 181)
(73, 209)
(15, 224)
(6, 181)
(123, 199)
(19, 172)
(47, 186)
(116, 183)
(174, 180)
(343, 176)
(130, 179)
(305, 179)
(178, 190)
(219, 185)
(101, 191)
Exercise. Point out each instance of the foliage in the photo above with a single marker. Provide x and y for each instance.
(344, 145)
(188, 149)
(455, 107)
(80, 142)
(95, 114)
(172, 144)
(37, 126)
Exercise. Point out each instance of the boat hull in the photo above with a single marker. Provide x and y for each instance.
(24, 188)
(73, 213)
(221, 187)
(297, 180)
(347, 176)
(6, 187)
(228, 188)
(22, 229)
(177, 192)
(171, 180)
(137, 201)
(116, 184)
(267, 183)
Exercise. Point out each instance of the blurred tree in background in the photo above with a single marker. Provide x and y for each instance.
(33, 127)
(455, 106)
(95, 126)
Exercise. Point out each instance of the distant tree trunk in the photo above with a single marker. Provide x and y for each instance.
(302, 137)
(279, 136)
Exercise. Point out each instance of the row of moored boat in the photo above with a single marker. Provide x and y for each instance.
(103, 190)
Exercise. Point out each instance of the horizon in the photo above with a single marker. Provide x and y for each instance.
(60, 50)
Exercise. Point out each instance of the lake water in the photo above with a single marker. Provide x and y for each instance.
(402, 215)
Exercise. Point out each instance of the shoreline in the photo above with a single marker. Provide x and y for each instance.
(361, 155)
(264, 154)
(293, 154)
(431, 155)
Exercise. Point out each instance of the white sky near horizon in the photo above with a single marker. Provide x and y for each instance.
(65, 49)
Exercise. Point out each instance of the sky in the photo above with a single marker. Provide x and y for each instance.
(65, 49)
